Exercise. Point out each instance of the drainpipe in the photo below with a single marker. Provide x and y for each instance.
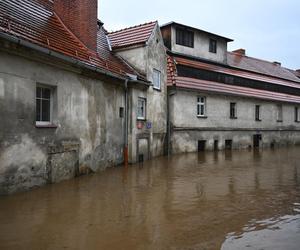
(126, 126)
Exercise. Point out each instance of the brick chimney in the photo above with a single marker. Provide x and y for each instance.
(80, 16)
(240, 51)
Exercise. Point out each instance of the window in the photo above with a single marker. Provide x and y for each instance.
(297, 115)
(185, 37)
(156, 79)
(212, 45)
(279, 113)
(121, 112)
(141, 109)
(201, 106)
(233, 110)
(43, 105)
(257, 113)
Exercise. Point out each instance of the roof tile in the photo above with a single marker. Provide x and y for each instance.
(131, 36)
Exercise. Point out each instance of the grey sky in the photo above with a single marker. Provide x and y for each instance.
(267, 29)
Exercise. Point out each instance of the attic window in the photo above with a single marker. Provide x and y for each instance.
(212, 45)
(185, 37)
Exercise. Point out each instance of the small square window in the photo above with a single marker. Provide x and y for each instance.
(185, 37)
(121, 112)
(201, 106)
(213, 46)
(233, 110)
(44, 99)
(257, 113)
(156, 79)
(141, 109)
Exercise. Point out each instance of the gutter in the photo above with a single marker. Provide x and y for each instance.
(68, 59)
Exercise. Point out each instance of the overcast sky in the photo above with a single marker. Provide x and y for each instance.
(267, 29)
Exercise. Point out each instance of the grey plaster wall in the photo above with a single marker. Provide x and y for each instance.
(86, 113)
(145, 59)
(188, 129)
(184, 110)
(201, 46)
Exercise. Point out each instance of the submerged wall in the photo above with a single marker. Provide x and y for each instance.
(88, 134)
(217, 126)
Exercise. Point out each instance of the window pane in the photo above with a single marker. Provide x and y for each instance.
(46, 110)
(156, 79)
(202, 109)
(46, 93)
(38, 92)
(38, 110)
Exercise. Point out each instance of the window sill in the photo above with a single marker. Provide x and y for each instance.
(157, 89)
(201, 117)
(297, 121)
(46, 126)
(280, 121)
(141, 119)
(233, 118)
(258, 120)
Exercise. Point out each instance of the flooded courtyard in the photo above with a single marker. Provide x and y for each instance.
(223, 200)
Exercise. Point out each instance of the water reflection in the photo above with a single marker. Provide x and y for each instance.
(194, 201)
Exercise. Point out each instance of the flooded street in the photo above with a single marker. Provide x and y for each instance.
(224, 200)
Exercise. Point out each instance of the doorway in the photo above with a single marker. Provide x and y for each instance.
(201, 146)
(256, 140)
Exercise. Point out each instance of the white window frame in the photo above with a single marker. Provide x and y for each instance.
(45, 123)
(279, 112)
(201, 102)
(143, 101)
(155, 71)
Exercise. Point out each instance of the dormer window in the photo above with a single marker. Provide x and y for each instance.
(212, 45)
(185, 37)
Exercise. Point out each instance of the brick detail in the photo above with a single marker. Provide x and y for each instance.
(80, 16)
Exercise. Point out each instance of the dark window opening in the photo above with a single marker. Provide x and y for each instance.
(213, 46)
(121, 112)
(202, 74)
(141, 158)
(201, 146)
(257, 113)
(216, 145)
(228, 144)
(256, 140)
(297, 114)
(185, 37)
(233, 110)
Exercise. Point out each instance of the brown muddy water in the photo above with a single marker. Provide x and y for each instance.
(225, 200)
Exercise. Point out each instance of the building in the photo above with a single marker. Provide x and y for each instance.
(142, 46)
(69, 105)
(220, 99)
(76, 99)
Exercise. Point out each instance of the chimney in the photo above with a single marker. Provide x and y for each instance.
(277, 63)
(240, 51)
(80, 16)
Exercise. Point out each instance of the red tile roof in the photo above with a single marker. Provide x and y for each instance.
(239, 61)
(131, 36)
(35, 21)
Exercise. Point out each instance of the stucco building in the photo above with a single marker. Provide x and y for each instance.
(75, 98)
(220, 99)
(69, 105)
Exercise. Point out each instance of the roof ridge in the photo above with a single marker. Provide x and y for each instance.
(255, 58)
(132, 27)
